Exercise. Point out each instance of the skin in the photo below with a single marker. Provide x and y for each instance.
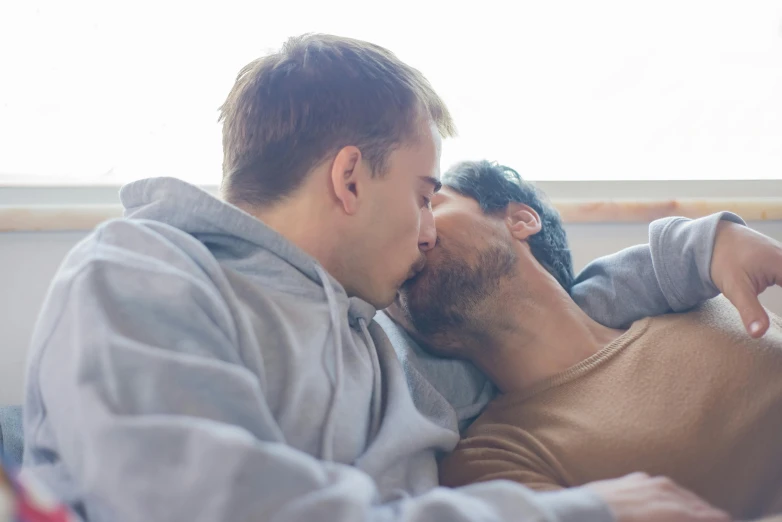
(511, 317)
(369, 232)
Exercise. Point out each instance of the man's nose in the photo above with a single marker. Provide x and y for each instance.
(428, 235)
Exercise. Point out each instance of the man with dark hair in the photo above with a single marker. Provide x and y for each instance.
(210, 359)
(494, 187)
(687, 396)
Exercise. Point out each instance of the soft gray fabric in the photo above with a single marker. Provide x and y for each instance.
(671, 274)
(191, 364)
(11, 437)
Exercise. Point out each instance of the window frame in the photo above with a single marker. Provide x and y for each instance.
(585, 190)
(27, 208)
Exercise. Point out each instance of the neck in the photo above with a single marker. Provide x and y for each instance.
(535, 336)
(300, 220)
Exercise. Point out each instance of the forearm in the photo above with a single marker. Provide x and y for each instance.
(671, 273)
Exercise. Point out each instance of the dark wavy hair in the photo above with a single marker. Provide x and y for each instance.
(494, 187)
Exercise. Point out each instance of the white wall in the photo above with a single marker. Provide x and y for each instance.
(28, 261)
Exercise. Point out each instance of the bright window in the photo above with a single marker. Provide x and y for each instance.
(96, 91)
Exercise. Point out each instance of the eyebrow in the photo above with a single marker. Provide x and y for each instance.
(434, 181)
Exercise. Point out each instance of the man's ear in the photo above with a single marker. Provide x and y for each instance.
(345, 174)
(522, 220)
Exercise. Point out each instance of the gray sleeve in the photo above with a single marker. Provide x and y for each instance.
(156, 417)
(670, 274)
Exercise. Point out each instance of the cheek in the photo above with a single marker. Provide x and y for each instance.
(408, 219)
(405, 243)
(395, 238)
(418, 219)
(427, 219)
(460, 236)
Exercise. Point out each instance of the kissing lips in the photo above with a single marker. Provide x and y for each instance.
(417, 267)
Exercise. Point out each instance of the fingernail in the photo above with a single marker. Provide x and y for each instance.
(755, 327)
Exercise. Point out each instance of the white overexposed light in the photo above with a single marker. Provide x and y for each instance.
(105, 91)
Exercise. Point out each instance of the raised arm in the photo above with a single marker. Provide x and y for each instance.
(685, 263)
(669, 274)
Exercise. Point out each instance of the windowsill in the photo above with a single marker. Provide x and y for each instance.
(81, 208)
(83, 217)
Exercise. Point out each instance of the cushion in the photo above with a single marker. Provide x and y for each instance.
(11, 437)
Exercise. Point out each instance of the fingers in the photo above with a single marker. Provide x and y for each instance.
(755, 318)
(712, 514)
(640, 498)
(744, 264)
(694, 508)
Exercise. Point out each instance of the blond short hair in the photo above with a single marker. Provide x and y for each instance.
(288, 111)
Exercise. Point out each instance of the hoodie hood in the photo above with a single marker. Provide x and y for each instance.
(260, 259)
(228, 228)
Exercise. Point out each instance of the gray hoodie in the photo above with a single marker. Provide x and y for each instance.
(190, 364)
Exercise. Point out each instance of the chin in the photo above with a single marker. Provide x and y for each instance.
(382, 299)
(412, 288)
(382, 304)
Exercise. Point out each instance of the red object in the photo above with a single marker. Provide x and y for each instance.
(32, 502)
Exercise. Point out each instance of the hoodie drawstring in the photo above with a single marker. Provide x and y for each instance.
(374, 425)
(327, 442)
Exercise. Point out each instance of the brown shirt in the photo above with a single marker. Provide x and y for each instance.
(689, 396)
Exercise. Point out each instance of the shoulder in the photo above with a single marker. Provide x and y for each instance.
(715, 321)
(148, 239)
(140, 281)
(141, 265)
(714, 315)
(133, 247)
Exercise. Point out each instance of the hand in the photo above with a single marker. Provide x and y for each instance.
(640, 498)
(745, 263)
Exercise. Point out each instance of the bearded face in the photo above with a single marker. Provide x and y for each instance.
(456, 282)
